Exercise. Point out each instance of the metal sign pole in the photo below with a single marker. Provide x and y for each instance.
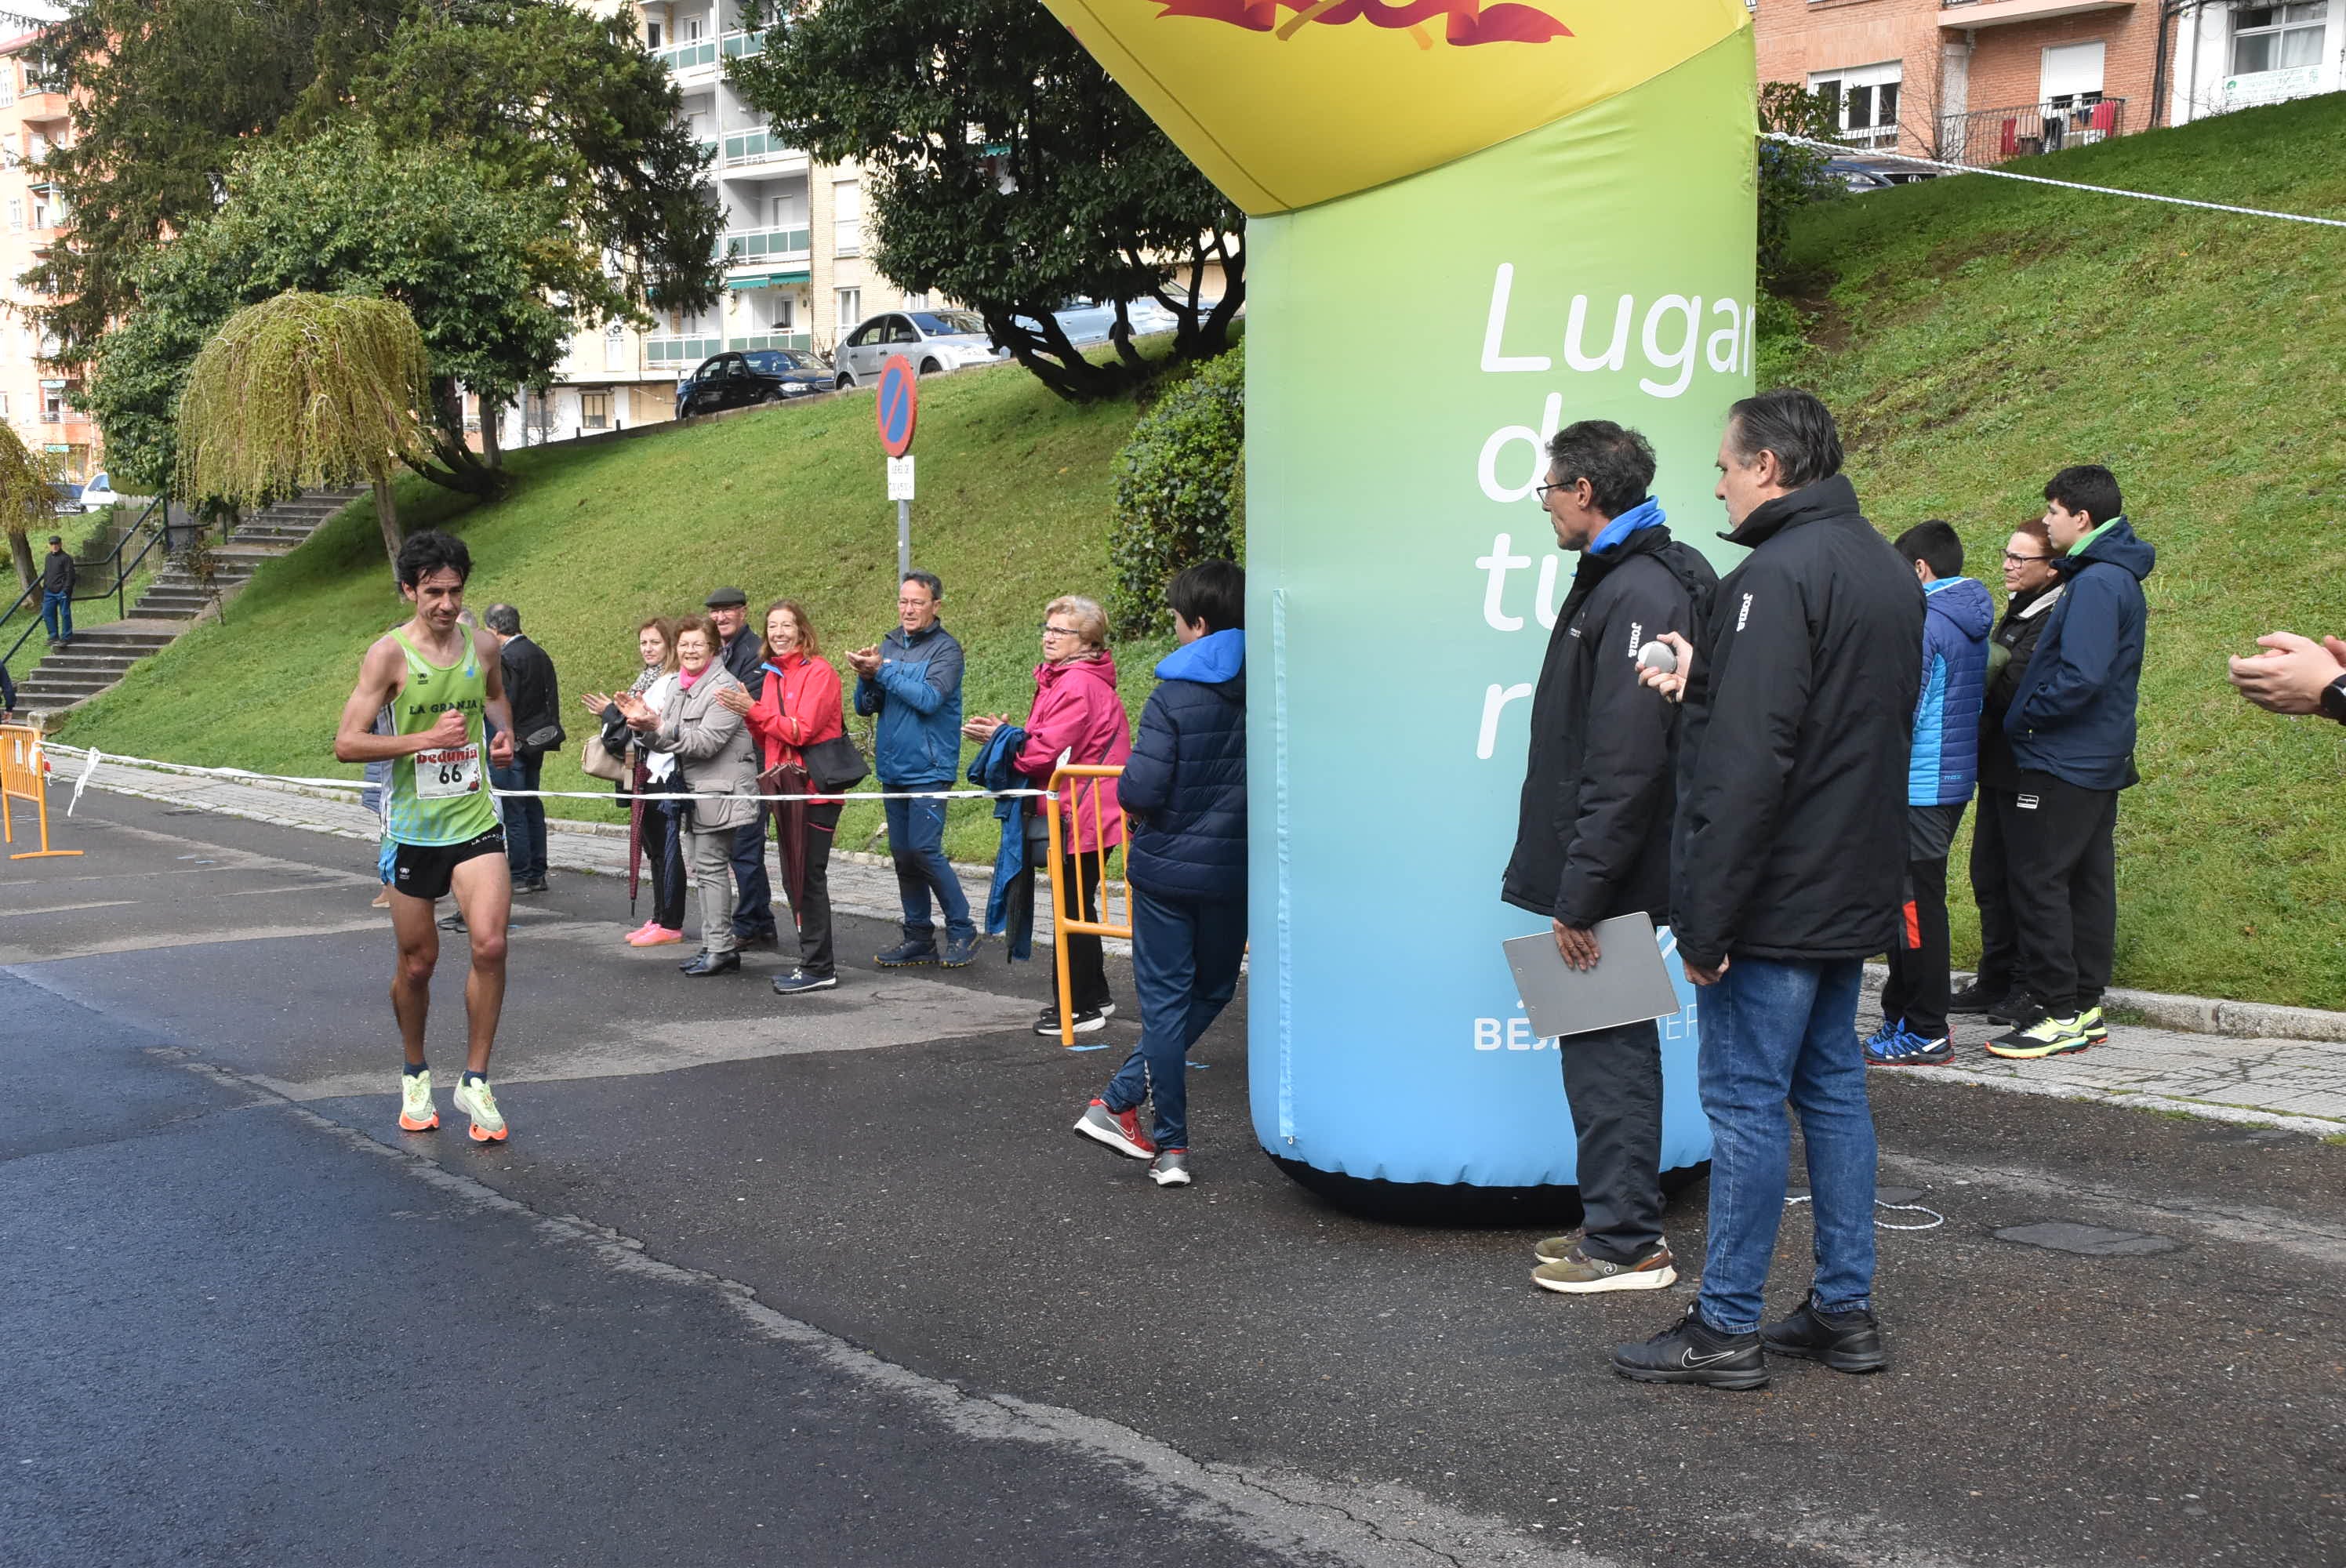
(904, 540)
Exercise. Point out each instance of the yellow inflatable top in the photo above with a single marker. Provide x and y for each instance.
(1285, 103)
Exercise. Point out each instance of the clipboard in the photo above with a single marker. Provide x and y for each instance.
(1629, 984)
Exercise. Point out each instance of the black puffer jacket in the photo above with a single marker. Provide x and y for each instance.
(2024, 621)
(1791, 827)
(1593, 840)
(1184, 786)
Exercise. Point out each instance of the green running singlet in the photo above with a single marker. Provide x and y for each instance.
(441, 797)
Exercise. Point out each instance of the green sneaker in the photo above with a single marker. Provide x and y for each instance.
(416, 1112)
(1556, 1248)
(2048, 1036)
(473, 1099)
(2090, 1022)
(1578, 1274)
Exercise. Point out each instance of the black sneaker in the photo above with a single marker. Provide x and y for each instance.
(2016, 1008)
(1087, 1020)
(798, 980)
(960, 953)
(907, 955)
(1972, 998)
(529, 885)
(1692, 1351)
(1845, 1342)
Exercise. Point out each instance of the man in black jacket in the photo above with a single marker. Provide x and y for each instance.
(535, 693)
(58, 572)
(1791, 852)
(1594, 840)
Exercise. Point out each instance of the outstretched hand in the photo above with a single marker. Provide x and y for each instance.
(2290, 676)
(1670, 682)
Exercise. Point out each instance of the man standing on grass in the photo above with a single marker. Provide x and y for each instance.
(442, 683)
(1593, 836)
(1790, 848)
(2072, 728)
(743, 653)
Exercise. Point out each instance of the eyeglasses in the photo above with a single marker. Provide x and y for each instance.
(1539, 492)
(1049, 630)
(2012, 560)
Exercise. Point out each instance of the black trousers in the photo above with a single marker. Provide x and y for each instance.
(2063, 886)
(1919, 983)
(1086, 963)
(814, 912)
(1999, 965)
(753, 908)
(1613, 1079)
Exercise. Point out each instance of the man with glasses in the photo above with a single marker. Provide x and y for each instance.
(2034, 588)
(912, 680)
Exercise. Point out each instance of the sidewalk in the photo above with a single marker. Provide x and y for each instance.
(2289, 1072)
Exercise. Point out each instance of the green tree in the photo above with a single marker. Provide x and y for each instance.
(542, 99)
(1006, 171)
(1791, 176)
(304, 391)
(25, 500)
(495, 281)
(1180, 491)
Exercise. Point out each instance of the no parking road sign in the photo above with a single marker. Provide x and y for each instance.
(897, 412)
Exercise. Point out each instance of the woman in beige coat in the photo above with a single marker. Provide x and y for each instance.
(713, 746)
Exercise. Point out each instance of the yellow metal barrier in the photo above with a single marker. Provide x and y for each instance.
(1066, 908)
(25, 777)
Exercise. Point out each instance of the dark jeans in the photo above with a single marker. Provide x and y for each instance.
(1999, 965)
(664, 858)
(1613, 1083)
(524, 819)
(2064, 891)
(813, 910)
(1086, 963)
(753, 908)
(1772, 1031)
(1919, 983)
(1184, 967)
(57, 615)
(916, 839)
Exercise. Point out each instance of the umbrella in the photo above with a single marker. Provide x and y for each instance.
(790, 825)
(636, 837)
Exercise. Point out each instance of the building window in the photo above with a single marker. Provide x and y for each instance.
(3, 406)
(2278, 37)
(785, 311)
(851, 307)
(40, 215)
(919, 301)
(847, 216)
(593, 410)
(1864, 100)
(653, 38)
(15, 215)
(2071, 76)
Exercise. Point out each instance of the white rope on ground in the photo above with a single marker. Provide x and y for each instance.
(91, 758)
(1834, 147)
(1936, 1219)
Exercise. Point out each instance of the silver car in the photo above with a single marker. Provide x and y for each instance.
(933, 340)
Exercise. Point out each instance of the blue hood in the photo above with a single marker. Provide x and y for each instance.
(1211, 660)
(1964, 603)
(1646, 514)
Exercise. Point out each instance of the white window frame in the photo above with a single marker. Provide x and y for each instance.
(847, 216)
(2291, 20)
(587, 419)
(848, 304)
(1870, 80)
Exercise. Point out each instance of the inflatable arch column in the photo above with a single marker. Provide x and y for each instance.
(1470, 224)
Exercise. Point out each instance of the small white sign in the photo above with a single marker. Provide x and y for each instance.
(900, 479)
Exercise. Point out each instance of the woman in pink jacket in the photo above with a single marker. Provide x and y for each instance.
(1077, 717)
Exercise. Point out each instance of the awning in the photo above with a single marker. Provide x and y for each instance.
(768, 280)
(2002, 13)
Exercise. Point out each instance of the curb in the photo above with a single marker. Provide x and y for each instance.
(2198, 1014)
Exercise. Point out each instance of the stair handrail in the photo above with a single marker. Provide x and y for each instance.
(145, 523)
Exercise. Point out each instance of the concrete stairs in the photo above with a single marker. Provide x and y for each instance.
(175, 601)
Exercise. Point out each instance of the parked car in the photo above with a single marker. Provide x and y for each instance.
(737, 380)
(67, 494)
(98, 493)
(933, 340)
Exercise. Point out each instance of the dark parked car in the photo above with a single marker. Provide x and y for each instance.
(760, 375)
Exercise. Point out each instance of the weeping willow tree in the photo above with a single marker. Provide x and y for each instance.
(26, 499)
(304, 391)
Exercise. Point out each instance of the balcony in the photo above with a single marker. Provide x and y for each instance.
(691, 56)
(744, 245)
(759, 145)
(774, 340)
(1987, 137)
(1968, 14)
(681, 350)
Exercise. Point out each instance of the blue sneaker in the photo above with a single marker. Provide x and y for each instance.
(1881, 1040)
(1908, 1049)
(907, 955)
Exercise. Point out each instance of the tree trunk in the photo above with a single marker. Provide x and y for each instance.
(386, 513)
(20, 550)
(492, 417)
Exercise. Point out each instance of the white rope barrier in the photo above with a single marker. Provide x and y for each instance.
(1845, 150)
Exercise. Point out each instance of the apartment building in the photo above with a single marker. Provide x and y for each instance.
(36, 398)
(797, 275)
(1982, 81)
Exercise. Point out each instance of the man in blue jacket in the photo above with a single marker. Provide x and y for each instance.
(2072, 728)
(1940, 774)
(912, 679)
(1184, 792)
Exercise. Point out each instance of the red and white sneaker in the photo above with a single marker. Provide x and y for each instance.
(1120, 1130)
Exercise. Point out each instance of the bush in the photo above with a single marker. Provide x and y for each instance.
(1180, 491)
(1791, 177)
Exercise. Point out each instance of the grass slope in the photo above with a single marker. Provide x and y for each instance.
(1979, 334)
(1015, 491)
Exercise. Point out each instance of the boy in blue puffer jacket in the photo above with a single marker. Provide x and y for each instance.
(1184, 793)
(1957, 614)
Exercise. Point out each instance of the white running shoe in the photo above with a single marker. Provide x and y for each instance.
(416, 1112)
(473, 1099)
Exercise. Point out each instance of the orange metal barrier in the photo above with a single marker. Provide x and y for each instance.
(24, 776)
(1066, 913)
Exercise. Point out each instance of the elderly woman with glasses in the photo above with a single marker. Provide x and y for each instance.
(1076, 719)
(2035, 588)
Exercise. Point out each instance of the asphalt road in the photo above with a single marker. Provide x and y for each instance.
(831, 1283)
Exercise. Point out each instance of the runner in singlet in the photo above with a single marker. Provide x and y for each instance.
(439, 681)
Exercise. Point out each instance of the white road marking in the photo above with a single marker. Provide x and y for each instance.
(67, 908)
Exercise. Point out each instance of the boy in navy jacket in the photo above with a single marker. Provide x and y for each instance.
(1184, 794)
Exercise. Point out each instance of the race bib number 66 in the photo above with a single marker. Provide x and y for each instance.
(440, 775)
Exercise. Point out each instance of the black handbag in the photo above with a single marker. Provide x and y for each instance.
(835, 764)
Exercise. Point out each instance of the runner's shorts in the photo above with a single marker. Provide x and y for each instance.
(425, 871)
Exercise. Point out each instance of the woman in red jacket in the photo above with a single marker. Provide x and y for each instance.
(1077, 717)
(798, 707)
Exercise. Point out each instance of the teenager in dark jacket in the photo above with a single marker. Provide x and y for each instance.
(2035, 588)
(1594, 836)
(1790, 850)
(2072, 728)
(1944, 765)
(1184, 792)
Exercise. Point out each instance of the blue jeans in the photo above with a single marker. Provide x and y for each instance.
(57, 615)
(753, 902)
(524, 819)
(1774, 1032)
(1185, 967)
(916, 838)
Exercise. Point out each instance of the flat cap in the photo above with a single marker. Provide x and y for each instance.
(722, 597)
